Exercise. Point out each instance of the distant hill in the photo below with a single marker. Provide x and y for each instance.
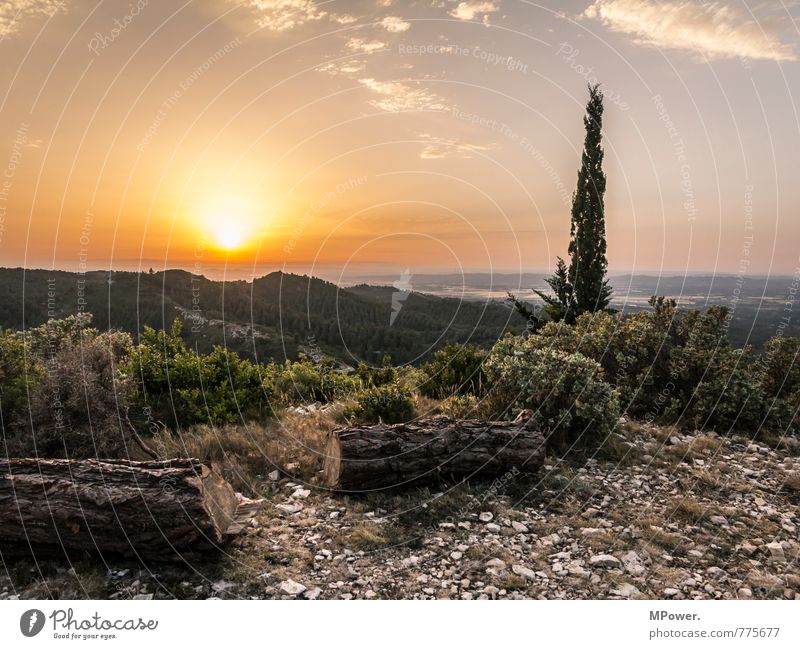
(275, 316)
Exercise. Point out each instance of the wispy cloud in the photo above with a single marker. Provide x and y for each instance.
(440, 147)
(361, 45)
(348, 67)
(283, 15)
(397, 96)
(395, 24)
(14, 13)
(712, 29)
(469, 10)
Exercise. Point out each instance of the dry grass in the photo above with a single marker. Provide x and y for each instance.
(246, 454)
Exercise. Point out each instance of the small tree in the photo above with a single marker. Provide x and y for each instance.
(560, 305)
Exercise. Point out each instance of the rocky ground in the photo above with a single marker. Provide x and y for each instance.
(658, 515)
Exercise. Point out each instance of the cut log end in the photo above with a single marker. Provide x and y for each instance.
(332, 468)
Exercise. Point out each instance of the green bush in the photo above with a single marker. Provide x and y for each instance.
(566, 392)
(386, 374)
(454, 369)
(460, 406)
(388, 404)
(19, 371)
(632, 349)
(715, 386)
(180, 387)
(780, 381)
(306, 382)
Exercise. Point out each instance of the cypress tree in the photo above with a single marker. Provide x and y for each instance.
(583, 286)
(587, 247)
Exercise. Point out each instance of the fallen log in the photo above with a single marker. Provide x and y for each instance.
(153, 510)
(362, 458)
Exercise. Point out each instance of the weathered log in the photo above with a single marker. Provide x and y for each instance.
(153, 510)
(362, 458)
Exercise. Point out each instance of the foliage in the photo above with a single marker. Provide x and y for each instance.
(454, 369)
(715, 386)
(388, 404)
(460, 406)
(560, 305)
(306, 382)
(181, 387)
(377, 376)
(566, 391)
(780, 380)
(18, 372)
(78, 407)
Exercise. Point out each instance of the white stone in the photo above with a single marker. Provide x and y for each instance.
(291, 587)
(605, 561)
(486, 516)
(776, 551)
(289, 508)
(626, 590)
(522, 571)
(519, 527)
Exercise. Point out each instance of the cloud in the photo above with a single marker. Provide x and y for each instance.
(396, 96)
(448, 148)
(368, 47)
(345, 19)
(13, 13)
(348, 67)
(283, 15)
(712, 29)
(395, 24)
(468, 10)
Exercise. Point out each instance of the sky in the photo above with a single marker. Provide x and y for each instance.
(341, 138)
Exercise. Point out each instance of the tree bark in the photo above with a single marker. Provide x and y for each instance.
(363, 458)
(153, 510)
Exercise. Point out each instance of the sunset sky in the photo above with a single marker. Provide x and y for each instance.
(236, 137)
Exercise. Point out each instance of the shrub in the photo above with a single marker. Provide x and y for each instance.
(386, 374)
(182, 388)
(388, 404)
(78, 407)
(460, 406)
(455, 369)
(306, 382)
(632, 349)
(569, 399)
(780, 364)
(18, 371)
(715, 386)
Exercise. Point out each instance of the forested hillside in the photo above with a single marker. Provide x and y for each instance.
(275, 316)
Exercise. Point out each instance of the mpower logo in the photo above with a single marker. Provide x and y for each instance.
(31, 622)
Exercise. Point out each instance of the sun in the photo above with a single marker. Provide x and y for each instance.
(229, 234)
(228, 222)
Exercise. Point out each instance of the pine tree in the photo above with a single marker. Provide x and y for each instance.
(587, 247)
